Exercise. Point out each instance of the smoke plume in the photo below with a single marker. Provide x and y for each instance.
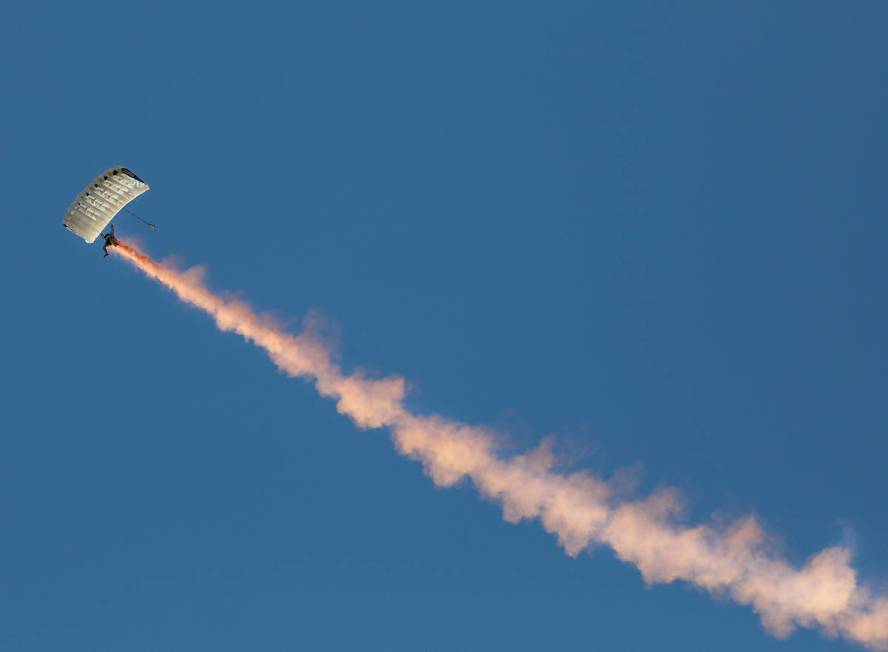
(578, 508)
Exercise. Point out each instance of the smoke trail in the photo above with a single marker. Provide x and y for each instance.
(580, 509)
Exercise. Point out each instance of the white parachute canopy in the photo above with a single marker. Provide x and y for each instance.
(101, 200)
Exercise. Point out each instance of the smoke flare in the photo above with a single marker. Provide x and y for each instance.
(580, 509)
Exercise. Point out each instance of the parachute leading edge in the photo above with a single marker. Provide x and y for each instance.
(101, 201)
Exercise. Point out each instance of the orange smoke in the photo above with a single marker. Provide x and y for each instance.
(580, 509)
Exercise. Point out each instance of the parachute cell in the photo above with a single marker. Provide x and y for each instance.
(101, 200)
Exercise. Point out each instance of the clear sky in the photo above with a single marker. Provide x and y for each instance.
(653, 230)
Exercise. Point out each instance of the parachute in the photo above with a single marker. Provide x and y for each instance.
(101, 201)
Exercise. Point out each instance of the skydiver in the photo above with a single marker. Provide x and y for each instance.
(110, 240)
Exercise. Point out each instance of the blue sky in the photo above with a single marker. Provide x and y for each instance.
(653, 230)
